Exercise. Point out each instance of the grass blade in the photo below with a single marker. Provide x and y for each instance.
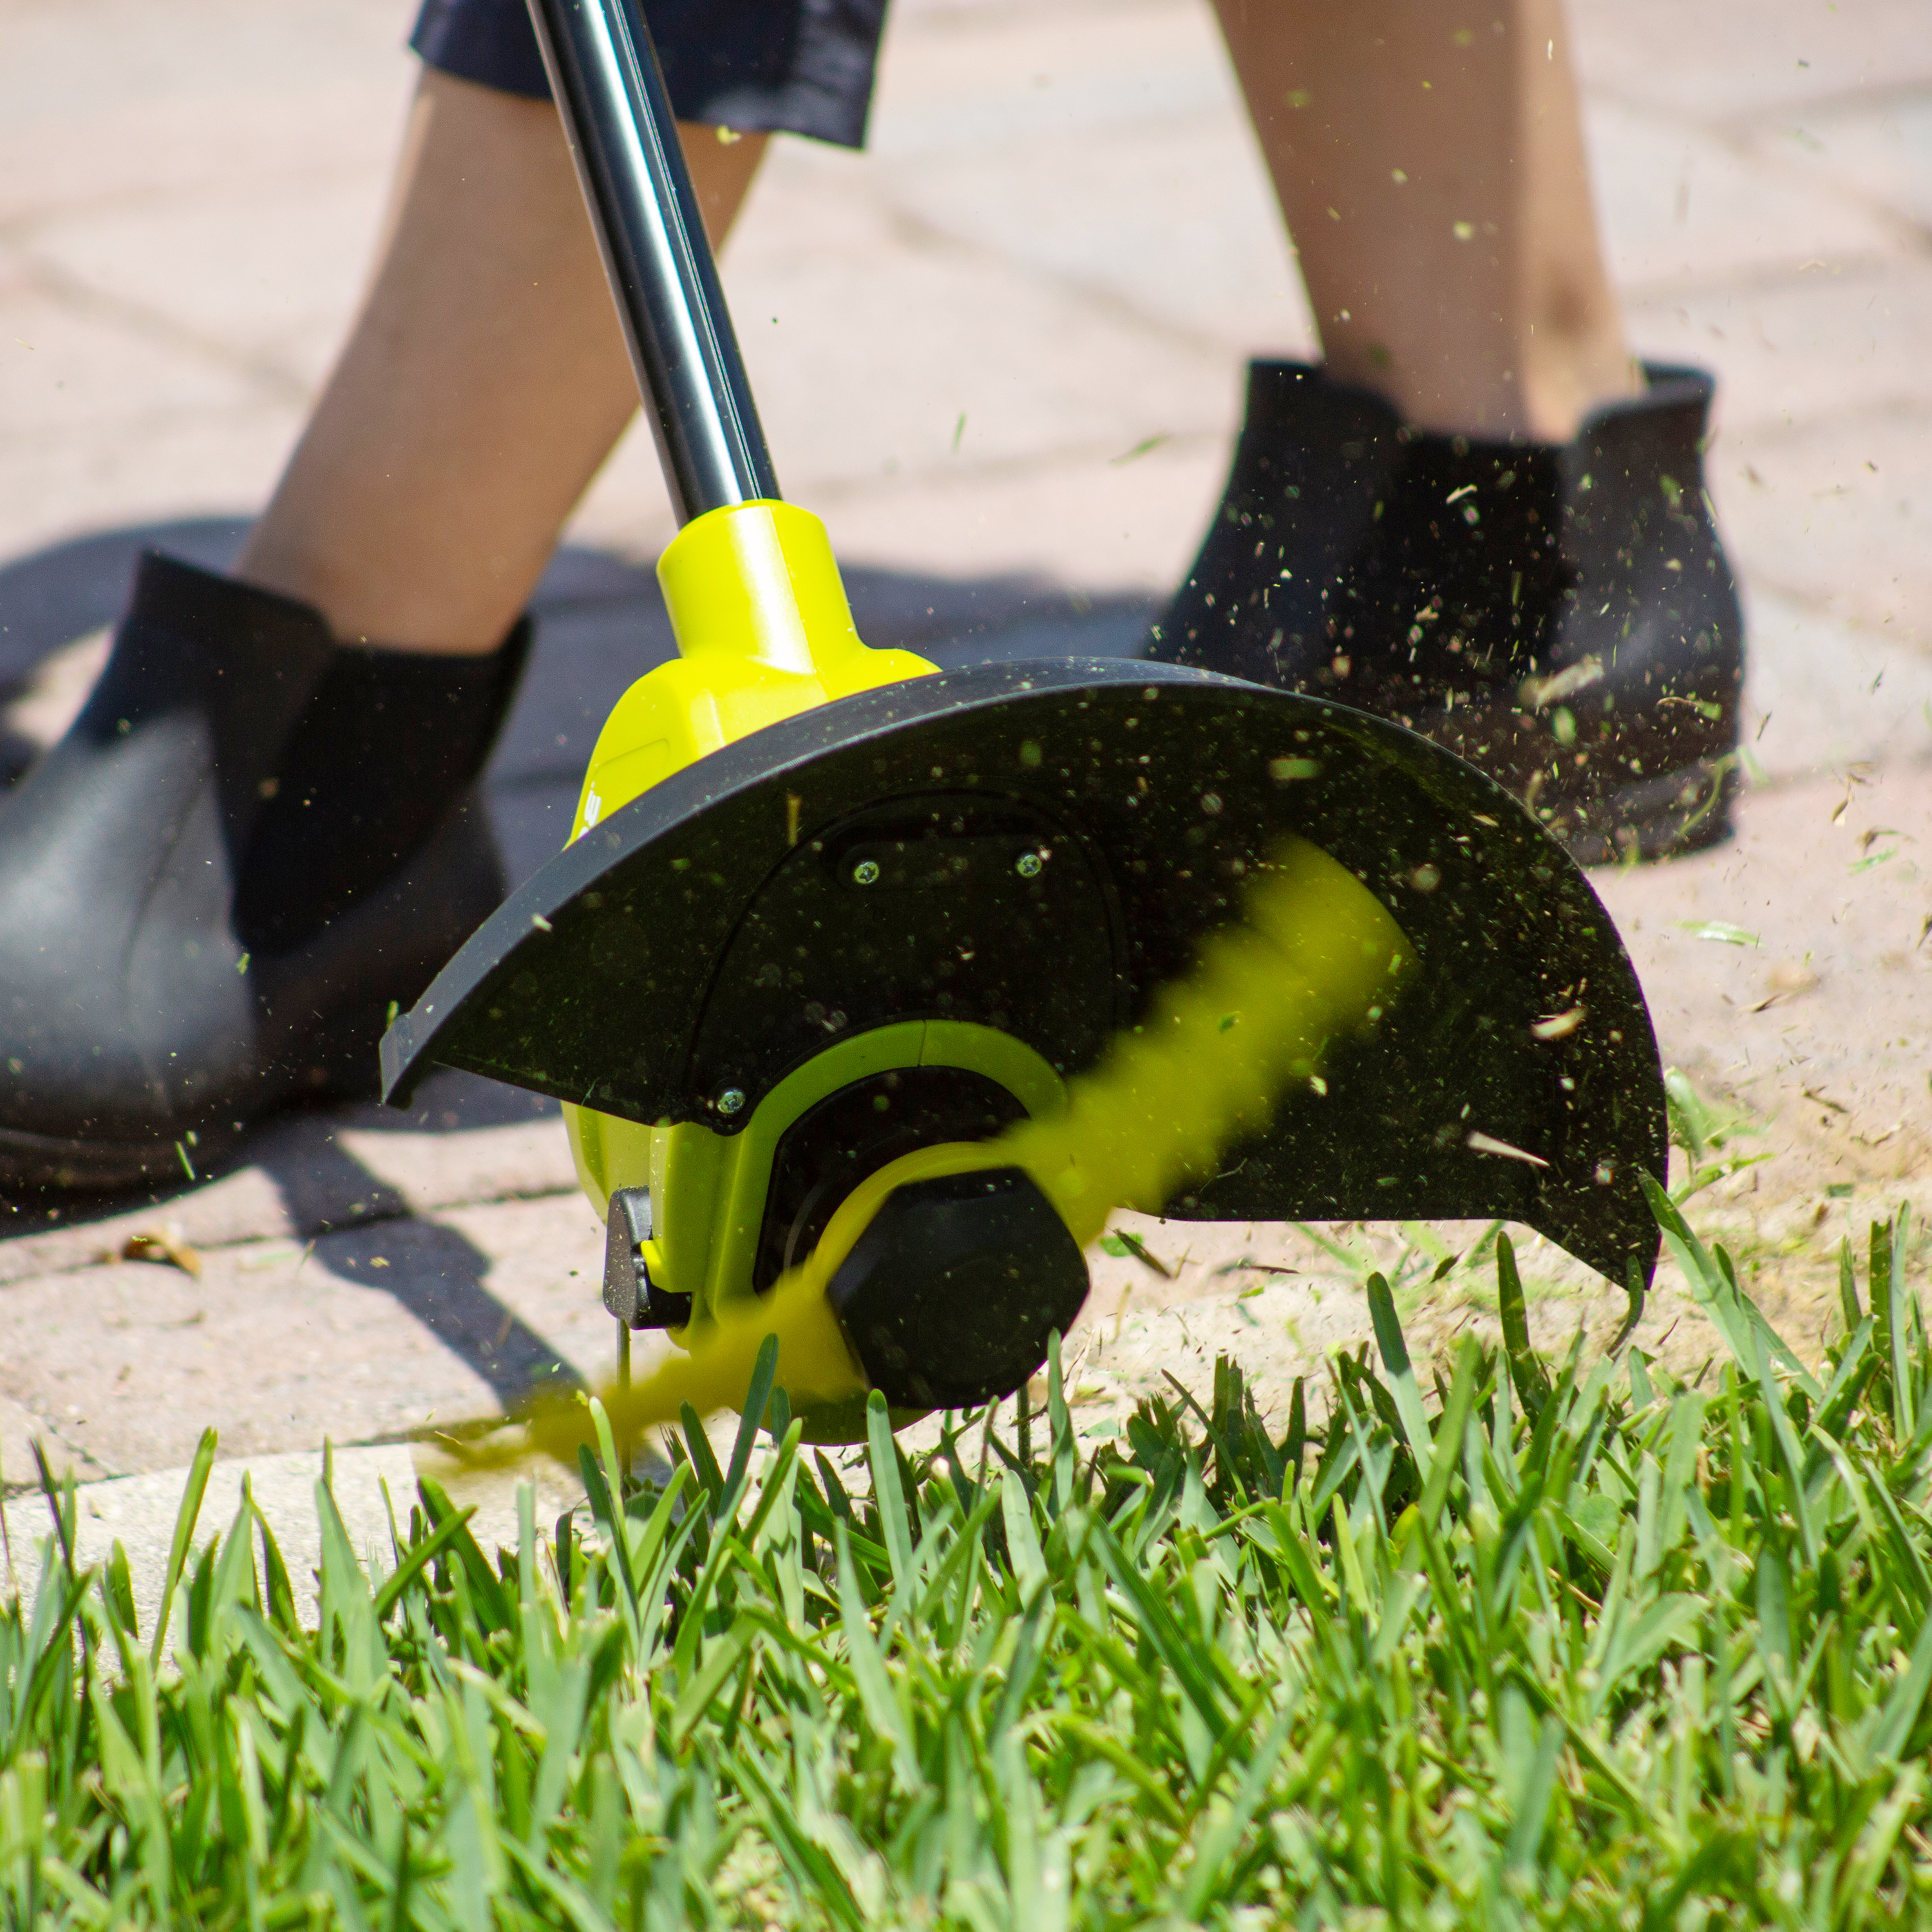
(1533, 1813)
(758, 1399)
(1901, 1710)
(1898, 1328)
(1401, 1374)
(1786, 1438)
(1526, 1373)
(887, 1490)
(185, 1518)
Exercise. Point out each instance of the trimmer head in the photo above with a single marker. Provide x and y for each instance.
(830, 923)
(1024, 852)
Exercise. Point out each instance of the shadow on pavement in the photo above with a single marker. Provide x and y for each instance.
(437, 1276)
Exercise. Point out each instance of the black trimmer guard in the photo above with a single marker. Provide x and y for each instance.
(856, 865)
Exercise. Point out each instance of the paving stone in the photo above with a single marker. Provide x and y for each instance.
(1118, 518)
(274, 307)
(1683, 205)
(205, 57)
(1834, 342)
(161, 463)
(363, 1335)
(1124, 220)
(944, 332)
(1816, 1021)
(1729, 61)
(989, 77)
(464, 1140)
(1820, 696)
(21, 1430)
(1113, 516)
(77, 372)
(102, 149)
(1880, 147)
(1833, 513)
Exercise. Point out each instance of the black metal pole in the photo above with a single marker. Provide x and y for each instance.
(604, 72)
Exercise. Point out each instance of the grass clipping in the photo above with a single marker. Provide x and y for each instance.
(1315, 955)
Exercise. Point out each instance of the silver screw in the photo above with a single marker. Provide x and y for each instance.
(1028, 867)
(730, 1100)
(865, 872)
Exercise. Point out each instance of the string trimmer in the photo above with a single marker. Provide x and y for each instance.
(911, 975)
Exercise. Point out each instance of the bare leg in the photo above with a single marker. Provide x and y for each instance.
(484, 383)
(1429, 159)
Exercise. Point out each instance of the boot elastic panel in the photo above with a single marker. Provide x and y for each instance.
(1623, 738)
(1314, 459)
(387, 739)
(1457, 586)
(1563, 616)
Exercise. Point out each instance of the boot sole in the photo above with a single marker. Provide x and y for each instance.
(335, 1073)
(39, 1164)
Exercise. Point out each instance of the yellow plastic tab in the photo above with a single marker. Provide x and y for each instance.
(764, 631)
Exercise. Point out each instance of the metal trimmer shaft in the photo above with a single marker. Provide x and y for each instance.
(623, 137)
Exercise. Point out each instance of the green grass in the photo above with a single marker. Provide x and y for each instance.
(1571, 1643)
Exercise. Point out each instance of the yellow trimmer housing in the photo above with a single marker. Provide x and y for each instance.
(764, 631)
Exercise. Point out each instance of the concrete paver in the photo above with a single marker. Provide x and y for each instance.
(1834, 514)
(1881, 148)
(361, 1335)
(1726, 62)
(1062, 234)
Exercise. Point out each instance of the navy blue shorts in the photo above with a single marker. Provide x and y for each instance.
(802, 66)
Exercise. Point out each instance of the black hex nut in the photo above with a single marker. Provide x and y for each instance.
(949, 1296)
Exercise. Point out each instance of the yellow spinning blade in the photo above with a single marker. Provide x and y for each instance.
(1316, 955)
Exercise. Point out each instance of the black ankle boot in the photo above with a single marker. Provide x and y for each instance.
(1563, 616)
(250, 842)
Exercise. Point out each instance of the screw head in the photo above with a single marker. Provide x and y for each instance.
(865, 872)
(731, 1100)
(1028, 864)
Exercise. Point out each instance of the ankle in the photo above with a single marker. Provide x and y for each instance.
(384, 607)
(1563, 379)
(1568, 377)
